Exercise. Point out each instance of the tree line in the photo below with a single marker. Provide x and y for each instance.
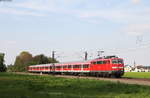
(25, 59)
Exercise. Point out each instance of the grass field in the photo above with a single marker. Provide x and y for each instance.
(137, 74)
(27, 86)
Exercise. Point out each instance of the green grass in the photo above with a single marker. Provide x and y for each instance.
(137, 74)
(27, 86)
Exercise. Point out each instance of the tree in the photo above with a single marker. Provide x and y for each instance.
(42, 59)
(51, 60)
(25, 59)
(2, 65)
(10, 68)
(22, 61)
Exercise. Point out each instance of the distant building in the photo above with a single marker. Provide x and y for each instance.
(144, 68)
(138, 68)
(127, 68)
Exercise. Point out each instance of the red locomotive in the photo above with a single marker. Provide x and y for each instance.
(105, 66)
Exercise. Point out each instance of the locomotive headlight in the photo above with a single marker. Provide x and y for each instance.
(116, 67)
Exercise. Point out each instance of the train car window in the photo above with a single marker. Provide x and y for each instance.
(73, 66)
(79, 66)
(65, 66)
(86, 66)
(50, 67)
(76, 66)
(58, 67)
(69, 66)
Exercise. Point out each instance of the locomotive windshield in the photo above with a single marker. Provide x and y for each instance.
(118, 61)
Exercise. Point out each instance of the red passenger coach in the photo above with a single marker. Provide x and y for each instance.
(105, 66)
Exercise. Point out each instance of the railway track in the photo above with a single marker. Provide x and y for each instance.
(125, 80)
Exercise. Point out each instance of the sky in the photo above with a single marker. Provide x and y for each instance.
(71, 27)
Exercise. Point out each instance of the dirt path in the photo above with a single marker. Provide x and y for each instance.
(121, 80)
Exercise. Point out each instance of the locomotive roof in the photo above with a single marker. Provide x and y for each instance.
(65, 63)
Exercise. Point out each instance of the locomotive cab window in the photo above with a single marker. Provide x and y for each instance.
(104, 62)
(117, 61)
(107, 62)
(120, 61)
(93, 62)
(99, 62)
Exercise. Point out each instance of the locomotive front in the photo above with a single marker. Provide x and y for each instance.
(117, 67)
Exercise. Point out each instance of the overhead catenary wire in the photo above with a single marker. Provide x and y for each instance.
(92, 53)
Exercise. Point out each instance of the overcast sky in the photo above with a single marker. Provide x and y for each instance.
(70, 27)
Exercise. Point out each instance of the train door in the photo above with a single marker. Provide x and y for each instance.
(81, 67)
(108, 66)
(93, 66)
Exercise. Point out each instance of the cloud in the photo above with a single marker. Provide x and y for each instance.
(49, 5)
(107, 14)
(137, 29)
(111, 15)
(20, 12)
(37, 5)
(30, 8)
(135, 33)
(7, 43)
(122, 16)
(69, 7)
(135, 1)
